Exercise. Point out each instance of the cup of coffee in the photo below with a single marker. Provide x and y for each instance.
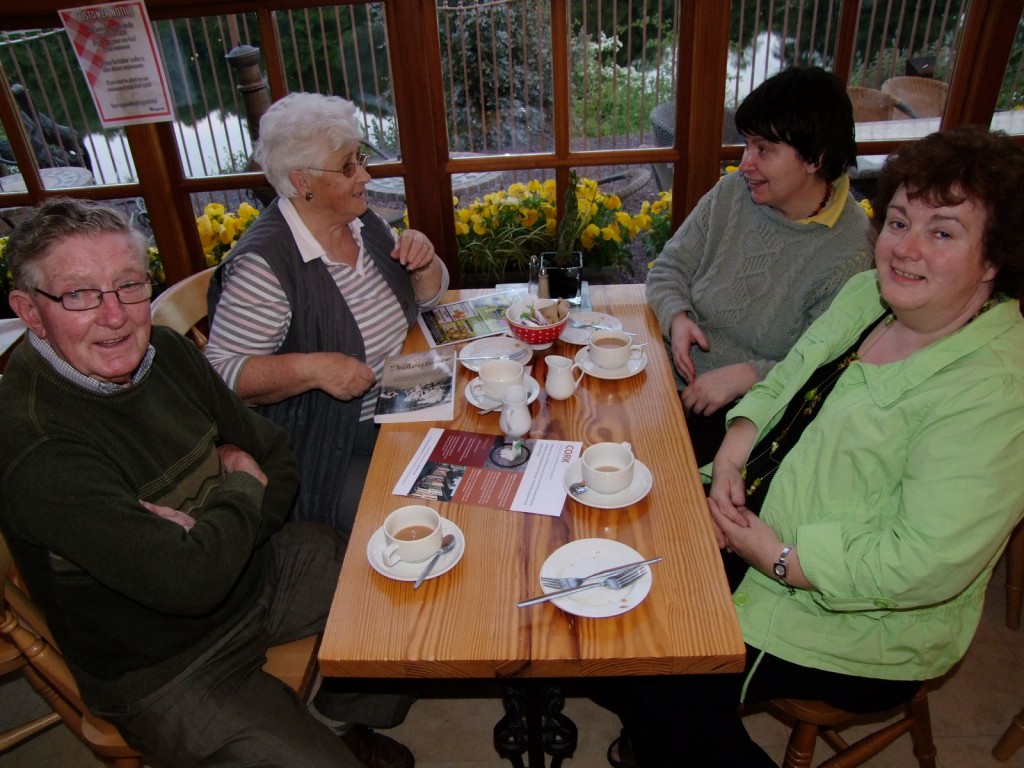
(496, 376)
(411, 534)
(608, 467)
(612, 349)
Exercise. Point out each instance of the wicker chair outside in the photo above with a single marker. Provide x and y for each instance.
(926, 97)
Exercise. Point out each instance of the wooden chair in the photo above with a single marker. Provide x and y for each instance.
(926, 97)
(1015, 576)
(814, 718)
(22, 627)
(1013, 737)
(183, 307)
(11, 660)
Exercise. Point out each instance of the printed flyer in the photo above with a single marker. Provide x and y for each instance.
(472, 468)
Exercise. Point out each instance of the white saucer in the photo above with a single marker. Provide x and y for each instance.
(402, 571)
(496, 346)
(632, 368)
(582, 335)
(634, 492)
(532, 390)
(578, 558)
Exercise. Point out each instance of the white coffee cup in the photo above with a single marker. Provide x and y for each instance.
(608, 467)
(411, 534)
(496, 376)
(612, 349)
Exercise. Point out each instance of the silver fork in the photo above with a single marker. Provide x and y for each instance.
(619, 581)
(596, 326)
(568, 582)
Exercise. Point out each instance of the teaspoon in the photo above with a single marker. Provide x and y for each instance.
(446, 546)
(578, 489)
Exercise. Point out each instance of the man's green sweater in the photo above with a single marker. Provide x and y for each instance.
(132, 598)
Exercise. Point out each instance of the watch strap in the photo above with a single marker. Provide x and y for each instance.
(781, 568)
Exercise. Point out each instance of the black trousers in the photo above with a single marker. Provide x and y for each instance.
(694, 720)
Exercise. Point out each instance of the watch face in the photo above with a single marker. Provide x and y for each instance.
(780, 570)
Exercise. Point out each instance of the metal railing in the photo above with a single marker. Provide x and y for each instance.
(499, 72)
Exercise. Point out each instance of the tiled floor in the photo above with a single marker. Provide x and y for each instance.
(969, 711)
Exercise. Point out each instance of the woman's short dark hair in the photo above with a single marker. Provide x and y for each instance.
(966, 163)
(807, 108)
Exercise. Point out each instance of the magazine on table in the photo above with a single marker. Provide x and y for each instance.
(417, 387)
(474, 468)
(468, 319)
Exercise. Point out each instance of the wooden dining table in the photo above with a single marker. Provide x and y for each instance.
(465, 623)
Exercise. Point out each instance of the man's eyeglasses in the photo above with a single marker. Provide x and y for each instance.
(348, 170)
(89, 298)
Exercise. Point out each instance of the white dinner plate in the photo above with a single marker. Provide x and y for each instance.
(582, 335)
(496, 346)
(532, 391)
(584, 556)
(403, 571)
(631, 368)
(631, 494)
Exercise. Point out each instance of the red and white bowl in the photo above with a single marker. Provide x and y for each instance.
(537, 336)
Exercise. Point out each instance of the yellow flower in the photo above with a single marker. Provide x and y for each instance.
(589, 236)
(247, 213)
(205, 230)
(214, 210)
(529, 216)
(461, 228)
(227, 232)
(612, 202)
(866, 205)
(611, 232)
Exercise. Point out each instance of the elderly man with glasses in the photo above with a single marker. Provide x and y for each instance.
(315, 296)
(145, 507)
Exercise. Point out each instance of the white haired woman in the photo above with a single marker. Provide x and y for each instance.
(313, 298)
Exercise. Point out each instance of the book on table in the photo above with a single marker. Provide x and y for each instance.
(419, 386)
(474, 468)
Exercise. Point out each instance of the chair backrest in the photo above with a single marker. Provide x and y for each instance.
(871, 105)
(183, 306)
(23, 626)
(926, 97)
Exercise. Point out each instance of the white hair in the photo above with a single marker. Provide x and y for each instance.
(301, 131)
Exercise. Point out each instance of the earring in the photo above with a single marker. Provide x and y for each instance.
(309, 196)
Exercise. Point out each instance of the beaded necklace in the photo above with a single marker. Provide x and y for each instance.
(824, 201)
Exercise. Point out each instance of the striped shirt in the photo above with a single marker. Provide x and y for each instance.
(253, 314)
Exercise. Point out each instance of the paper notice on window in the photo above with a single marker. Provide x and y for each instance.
(117, 51)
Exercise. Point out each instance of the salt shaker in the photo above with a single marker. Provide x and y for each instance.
(515, 420)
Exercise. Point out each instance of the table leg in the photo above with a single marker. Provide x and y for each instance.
(533, 723)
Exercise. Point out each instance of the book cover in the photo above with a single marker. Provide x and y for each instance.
(417, 387)
(475, 468)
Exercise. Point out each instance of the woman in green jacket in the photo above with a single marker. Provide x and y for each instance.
(869, 484)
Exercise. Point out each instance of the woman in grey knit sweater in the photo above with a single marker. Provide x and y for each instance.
(764, 251)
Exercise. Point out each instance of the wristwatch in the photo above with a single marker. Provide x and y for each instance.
(780, 569)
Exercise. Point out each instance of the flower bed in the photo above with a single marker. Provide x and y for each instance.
(498, 234)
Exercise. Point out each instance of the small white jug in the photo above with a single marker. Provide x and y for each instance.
(560, 384)
(515, 420)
